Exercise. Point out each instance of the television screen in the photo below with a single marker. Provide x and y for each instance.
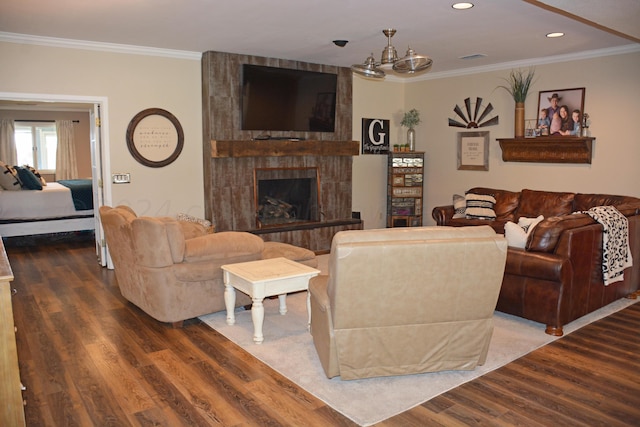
(281, 99)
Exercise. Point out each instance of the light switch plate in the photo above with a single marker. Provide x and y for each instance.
(121, 178)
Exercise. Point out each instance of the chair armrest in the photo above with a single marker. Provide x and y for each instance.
(442, 214)
(222, 245)
(318, 291)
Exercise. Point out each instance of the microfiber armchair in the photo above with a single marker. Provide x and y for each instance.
(171, 269)
(407, 300)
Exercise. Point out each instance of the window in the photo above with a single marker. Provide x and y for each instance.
(36, 145)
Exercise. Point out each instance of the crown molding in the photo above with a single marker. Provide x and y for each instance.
(588, 54)
(98, 46)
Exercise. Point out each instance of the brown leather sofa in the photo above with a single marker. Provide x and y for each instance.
(171, 269)
(407, 300)
(557, 277)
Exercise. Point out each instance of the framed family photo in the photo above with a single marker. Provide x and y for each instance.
(552, 100)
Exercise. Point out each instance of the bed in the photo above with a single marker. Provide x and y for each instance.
(60, 206)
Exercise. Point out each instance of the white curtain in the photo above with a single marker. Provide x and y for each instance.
(8, 142)
(66, 165)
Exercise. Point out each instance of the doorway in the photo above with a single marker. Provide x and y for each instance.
(97, 108)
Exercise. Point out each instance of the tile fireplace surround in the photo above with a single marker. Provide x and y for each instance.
(233, 198)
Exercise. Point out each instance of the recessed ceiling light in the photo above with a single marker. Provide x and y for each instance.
(554, 35)
(462, 6)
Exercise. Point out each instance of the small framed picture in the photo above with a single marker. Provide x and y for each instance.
(473, 151)
(558, 110)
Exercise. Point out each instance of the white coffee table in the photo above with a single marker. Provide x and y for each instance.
(261, 279)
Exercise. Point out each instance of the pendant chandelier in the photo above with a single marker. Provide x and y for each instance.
(411, 63)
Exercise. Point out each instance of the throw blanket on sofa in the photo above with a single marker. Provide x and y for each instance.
(616, 254)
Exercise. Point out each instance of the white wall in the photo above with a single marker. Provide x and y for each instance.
(131, 83)
(374, 100)
(611, 99)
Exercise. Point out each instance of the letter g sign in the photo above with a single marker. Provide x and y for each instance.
(375, 136)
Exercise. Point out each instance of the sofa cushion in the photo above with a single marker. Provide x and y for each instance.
(506, 202)
(545, 203)
(480, 206)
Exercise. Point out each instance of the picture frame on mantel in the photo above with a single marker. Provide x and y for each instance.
(473, 151)
(572, 98)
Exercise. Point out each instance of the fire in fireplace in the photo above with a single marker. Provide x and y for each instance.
(286, 196)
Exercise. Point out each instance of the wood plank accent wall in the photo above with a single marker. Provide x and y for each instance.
(228, 177)
(232, 187)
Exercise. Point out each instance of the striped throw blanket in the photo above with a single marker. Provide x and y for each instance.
(616, 254)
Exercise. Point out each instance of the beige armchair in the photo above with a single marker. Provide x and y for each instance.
(171, 269)
(407, 300)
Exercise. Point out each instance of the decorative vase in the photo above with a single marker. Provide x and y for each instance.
(411, 139)
(519, 120)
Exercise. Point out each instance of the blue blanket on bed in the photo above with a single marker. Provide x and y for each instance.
(81, 192)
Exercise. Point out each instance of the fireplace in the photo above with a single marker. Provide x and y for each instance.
(323, 169)
(286, 196)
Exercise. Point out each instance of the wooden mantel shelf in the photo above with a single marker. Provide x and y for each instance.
(547, 149)
(279, 148)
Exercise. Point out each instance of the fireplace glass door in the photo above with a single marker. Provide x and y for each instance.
(286, 196)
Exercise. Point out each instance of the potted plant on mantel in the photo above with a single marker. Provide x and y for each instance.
(518, 88)
(411, 119)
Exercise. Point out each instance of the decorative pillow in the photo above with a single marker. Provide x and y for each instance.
(480, 206)
(9, 178)
(459, 205)
(28, 179)
(517, 234)
(190, 218)
(37, 174)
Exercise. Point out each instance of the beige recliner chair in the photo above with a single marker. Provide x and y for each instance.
(171, 269)
(407, 300)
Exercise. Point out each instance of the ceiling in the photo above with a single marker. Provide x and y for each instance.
(506, 31)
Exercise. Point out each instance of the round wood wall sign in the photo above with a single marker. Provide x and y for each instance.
(155, 137)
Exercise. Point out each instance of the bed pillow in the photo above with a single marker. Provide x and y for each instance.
(9, 178)
(37, 174)
(517, 234)
(28, 179)
(480, 206)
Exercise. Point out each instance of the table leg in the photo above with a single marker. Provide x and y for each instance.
(257, 315)
(283, 303)
(230, 302)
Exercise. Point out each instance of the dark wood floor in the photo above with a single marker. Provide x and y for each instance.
(89, 358)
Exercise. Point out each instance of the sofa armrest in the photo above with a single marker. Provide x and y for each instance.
(222, 245)
(442, 214)
(545, 235)
(538, 265)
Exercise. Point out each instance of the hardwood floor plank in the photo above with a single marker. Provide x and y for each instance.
(190, 385)
(90, 358)
(122, 379)
(171, 396)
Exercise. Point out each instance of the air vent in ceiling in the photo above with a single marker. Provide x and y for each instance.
(474, 56)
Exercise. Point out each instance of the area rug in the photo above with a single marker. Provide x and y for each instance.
(288, 348)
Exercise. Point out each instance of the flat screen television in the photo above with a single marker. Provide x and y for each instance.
(282, 99)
